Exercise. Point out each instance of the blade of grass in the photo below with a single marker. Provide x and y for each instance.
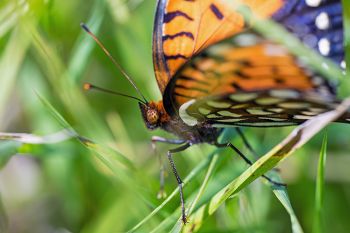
(187, 179)
(195, 221)
(108, 156)
(10, 62)
(71, 96)
(7, 150)
(84, 44)
(119, 10)
(320, 183)
(194, 172)
(9, 15)
(282, 195)
(35, 139)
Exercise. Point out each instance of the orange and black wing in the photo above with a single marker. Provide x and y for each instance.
(256, 85)
(184, 28)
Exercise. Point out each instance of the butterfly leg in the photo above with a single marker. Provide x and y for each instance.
(249, 147)
(155, 139)
(229, 144)
(178, 179)
(246, 143)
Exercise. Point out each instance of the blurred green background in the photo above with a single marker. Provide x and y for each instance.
(111, 186)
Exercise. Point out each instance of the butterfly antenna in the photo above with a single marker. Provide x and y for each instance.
(89, 86)
(114, 61)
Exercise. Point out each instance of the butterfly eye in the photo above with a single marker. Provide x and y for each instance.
(152, 116)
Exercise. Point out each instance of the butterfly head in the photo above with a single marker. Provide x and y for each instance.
(153, 114)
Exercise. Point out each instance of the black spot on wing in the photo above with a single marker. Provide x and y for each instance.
(168, 17)
(193, 79)
(216, 12)
(192, 88)
(186, 34)
(174, 57)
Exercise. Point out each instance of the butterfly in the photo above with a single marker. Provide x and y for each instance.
(209, 82)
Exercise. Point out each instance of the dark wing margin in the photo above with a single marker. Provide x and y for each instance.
(159, 63)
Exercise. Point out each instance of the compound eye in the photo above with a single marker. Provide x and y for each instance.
(152, 116)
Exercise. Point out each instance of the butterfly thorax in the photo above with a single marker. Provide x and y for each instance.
(155, 116)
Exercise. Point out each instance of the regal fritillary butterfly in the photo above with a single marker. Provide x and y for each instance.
(209, 83)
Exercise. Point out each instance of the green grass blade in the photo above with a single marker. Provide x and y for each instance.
(54, 112)
(320, 187)
(85, 43)
(282, 196)
(195, 221)
(9, 15)
(194, 172)
(200, 167)
(7, 150)
(108, 156)
(36, 139)
(10, 64)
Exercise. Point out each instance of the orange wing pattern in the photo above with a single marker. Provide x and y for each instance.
(227, 68)
(183, 28)
(257, 85)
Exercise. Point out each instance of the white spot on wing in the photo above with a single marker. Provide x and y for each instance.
(276, 110)
(213, 116)
(302, 117)
(246, 40)
(313, 3)
(238, 106)
(189, 120)
(294, 105)
(243, 97)
(343, 64)
(324, 46)
(284, 93)
(228, 114)
(317, 110)
(204, 111)
(257, 111)
(309, 113)
(268, 101)
(322, 21)
(217, 104)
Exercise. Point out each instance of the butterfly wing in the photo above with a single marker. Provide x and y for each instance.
(183, 28)
(259, 84)
(319, 24)
(255, 85)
